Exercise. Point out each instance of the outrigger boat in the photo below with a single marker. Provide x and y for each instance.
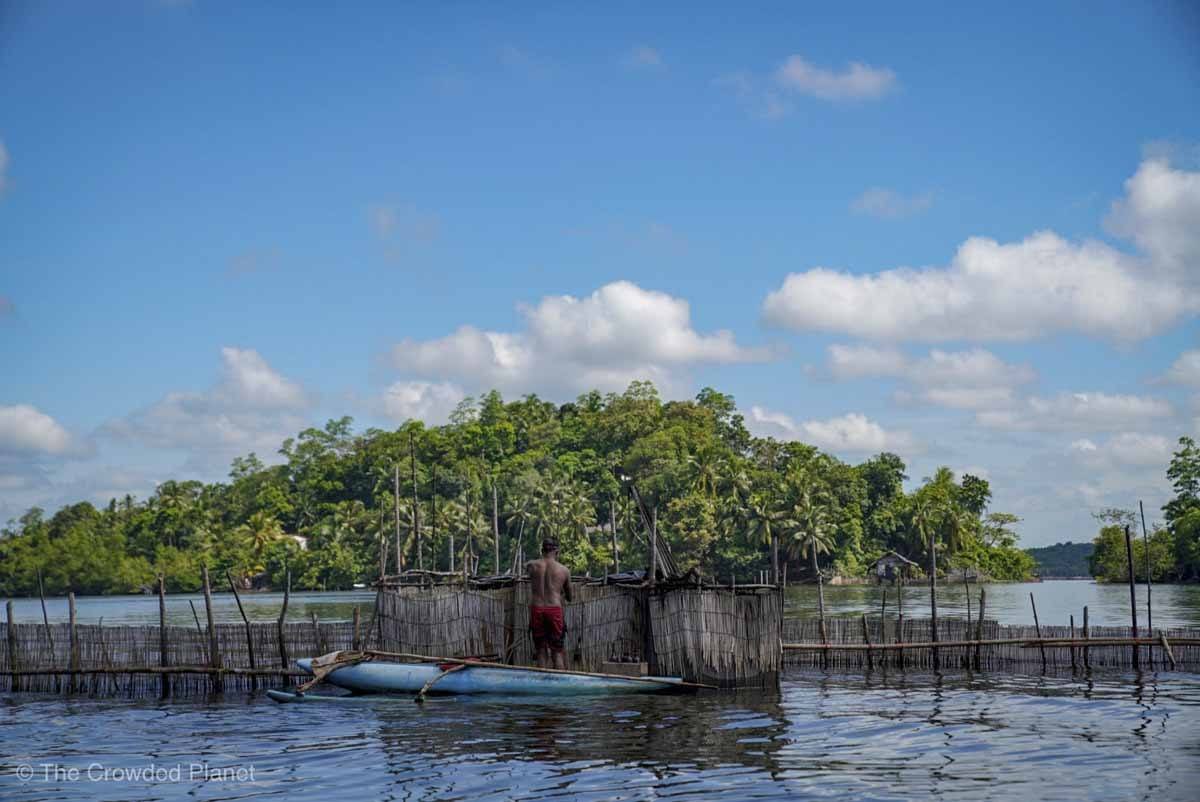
(378, 673)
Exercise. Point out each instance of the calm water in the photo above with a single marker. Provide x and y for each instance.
(1108, 605)
(898, 737)
(1174, 605)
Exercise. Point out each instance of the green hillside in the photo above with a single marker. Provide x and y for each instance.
(1063, 559)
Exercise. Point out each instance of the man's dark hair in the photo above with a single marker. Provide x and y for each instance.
(548, 545)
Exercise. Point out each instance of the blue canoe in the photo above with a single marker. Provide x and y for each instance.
(385, 677)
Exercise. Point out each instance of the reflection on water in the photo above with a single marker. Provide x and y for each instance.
(896, 737)
(1108, 604)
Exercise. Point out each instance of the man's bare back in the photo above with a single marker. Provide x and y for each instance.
(550, 584)
(549, 581)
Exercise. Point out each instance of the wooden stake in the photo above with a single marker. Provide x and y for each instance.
(46, 624)
(164, 681)
(654, 546)
(867, 641)
(74, 638)
(249, 639)
(1167, 649)
(1149, 609)
(214, 649)
(11, 628)
(967, 590)
(1087, 664)
(933, 627)
(979, 628)
(284, 663)
(496, 525)
(883, 617)
(1073, 648)
(396, 504)
(356, 639)
(1038, 628)
(1132, 595)
(318, 637)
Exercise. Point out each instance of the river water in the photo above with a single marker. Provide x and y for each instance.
(821, 736)
(1108, 605)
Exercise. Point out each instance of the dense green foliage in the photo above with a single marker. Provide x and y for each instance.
(1174, 547)
(728, 503)
(1063, 559)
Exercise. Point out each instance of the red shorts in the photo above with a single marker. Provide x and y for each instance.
(547, 627)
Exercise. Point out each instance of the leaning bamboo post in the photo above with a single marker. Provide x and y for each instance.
(11, 628)
(283, 655)
(979, 629)
(1073, 666)
(1132, 595)
(1087, 663)
(1038, 628)
(165, 680)
(46, 624)
(355, 641)
(214, 649)
(74, 638)
(1167, 648)
(249, 637)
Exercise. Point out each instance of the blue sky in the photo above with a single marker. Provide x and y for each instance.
(968, 235)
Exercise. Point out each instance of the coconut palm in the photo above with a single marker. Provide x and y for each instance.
(763, 522)
(260, 531)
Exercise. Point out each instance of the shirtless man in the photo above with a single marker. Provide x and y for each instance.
(550, 583)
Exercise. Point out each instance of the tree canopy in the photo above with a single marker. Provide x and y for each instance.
(488, 485)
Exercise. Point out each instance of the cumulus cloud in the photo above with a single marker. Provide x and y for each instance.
(431, 402)
(758, 99)
(642, 56)
(972, 379)
(889, 204)
(1039, 286)
(852, 432)
(25, 430)
(1186, 369)
(1077, 411)
(857, 81)
(252, 407)
(617, 334)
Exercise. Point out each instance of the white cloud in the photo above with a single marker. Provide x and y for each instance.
(420, 400)
(1123, 450)
(1161, 213)
(1186, 369)
(852, 432)
(974, 379)
(856, 82)
(757, 99)
(251, 408)
(1039, 286)
(1078, 412)
(617, 334)
(26, 430)
(889, 204)
(642, 56)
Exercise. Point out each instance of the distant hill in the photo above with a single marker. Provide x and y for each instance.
(1063, 559)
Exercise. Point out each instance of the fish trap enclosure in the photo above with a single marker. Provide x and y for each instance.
(710, 635)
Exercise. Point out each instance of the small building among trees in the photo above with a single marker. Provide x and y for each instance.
(893, 567)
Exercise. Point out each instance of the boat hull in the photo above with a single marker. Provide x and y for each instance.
(378, 677)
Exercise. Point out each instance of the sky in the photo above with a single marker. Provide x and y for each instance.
(968, 235)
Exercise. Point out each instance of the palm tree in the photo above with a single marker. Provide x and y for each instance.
(810, 528)
(261, 530)
(925, 515)
(763, 523)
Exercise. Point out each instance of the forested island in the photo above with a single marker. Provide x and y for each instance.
(1063, 560)
(501, 474)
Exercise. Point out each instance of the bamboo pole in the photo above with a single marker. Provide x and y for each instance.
(383, 548)
(1087, 663)
(214, 649)
(416, 510)
(46, 624)
(1073, 666)
(496, 525)
(654, 546)
(967, 590)
(979, 629)
(1146, 541)
(1132, 594)
(11, 629)
(883, 617)
(1038, 628)
(933, 626)
(249, 638)
(283, 654)
(356, 640)
(165, 682)
(1167, 649)
(396, 505)
(867, 641)
(74, 637)
(318, 638)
